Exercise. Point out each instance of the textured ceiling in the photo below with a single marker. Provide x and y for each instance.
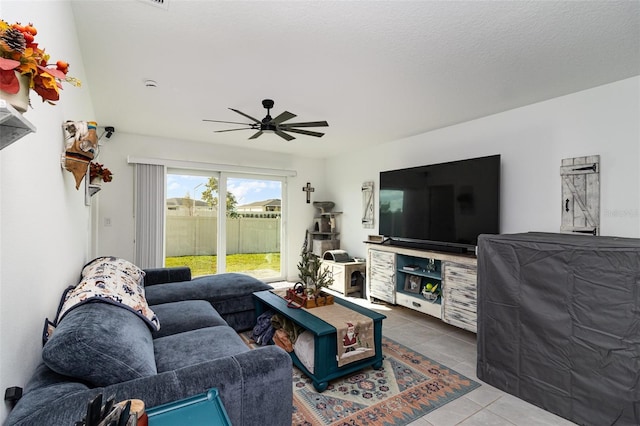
(376, 71)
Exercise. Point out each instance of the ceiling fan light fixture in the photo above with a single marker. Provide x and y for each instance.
(275, 125)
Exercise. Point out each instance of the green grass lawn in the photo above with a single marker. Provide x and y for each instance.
(203, 265)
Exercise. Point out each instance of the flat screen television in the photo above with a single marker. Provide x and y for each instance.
(441, 206)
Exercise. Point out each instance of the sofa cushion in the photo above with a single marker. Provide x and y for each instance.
(166, 275)
(101, 344)
(228, 292)
(196, 346)
(187, 315)
(50, 399)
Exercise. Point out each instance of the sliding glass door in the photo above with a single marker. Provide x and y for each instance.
(243, 234)
(254, 226)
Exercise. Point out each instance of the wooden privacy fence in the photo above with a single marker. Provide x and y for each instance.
(197, 235)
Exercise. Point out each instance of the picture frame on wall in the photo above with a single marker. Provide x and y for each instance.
(413, 283)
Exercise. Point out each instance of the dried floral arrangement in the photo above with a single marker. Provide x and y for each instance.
(20, 54)
(98, 171)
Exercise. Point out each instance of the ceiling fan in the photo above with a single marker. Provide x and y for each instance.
(274, 125)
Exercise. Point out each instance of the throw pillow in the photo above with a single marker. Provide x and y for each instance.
(111, 280)
(102, 344)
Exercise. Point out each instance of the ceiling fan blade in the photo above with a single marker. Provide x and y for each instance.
(226, 122)
(283, 117)
(307, 124)
(306, 132)
(284, 135)
(245, 115)
(255, 135)
(233, 130)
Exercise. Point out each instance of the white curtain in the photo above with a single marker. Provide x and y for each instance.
(149, 215)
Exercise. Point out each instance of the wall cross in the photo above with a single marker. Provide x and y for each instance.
(308, 189)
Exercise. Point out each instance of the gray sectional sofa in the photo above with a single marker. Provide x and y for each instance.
(104, 348)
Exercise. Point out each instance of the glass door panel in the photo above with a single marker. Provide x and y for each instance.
(254, 226)
(191, 222)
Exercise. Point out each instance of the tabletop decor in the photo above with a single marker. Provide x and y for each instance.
(313, 277)
(24, 66)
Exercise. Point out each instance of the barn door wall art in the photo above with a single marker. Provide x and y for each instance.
(367, 205)
(581, 195)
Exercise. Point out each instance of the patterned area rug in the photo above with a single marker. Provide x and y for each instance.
(408, 386)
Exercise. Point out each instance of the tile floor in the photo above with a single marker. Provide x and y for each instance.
(456, 348)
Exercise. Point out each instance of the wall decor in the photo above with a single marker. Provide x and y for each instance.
(99, 173)
(81, 146)
(308, 189)
(24, 66)
(581, 195)
(367, 205)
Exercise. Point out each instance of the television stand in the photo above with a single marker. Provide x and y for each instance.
(400, 274)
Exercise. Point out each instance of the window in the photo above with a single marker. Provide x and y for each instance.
(243, 234)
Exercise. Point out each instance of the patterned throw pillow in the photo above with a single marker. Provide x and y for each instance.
(101, 265)
(110, 280)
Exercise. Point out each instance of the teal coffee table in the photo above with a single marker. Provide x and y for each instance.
(325, 339)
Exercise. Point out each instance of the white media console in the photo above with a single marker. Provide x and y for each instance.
(398, 275)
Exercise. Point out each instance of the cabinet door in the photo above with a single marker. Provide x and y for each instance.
(381, 276)
(459, 304)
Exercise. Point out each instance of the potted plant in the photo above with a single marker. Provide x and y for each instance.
(97, 172)
(24, 63)
(311, 273)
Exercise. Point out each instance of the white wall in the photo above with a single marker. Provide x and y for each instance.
(115, 200)
(532, 142)
(43, 221)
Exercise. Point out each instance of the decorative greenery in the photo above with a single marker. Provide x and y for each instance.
(97, 170)
(310, 270)
(20, 53)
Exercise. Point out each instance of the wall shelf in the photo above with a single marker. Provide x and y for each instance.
(13, 125)
(90, 189)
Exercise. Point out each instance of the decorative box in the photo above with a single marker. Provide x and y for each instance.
(301, 300)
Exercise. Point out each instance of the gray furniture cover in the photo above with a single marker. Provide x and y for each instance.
(559, 323)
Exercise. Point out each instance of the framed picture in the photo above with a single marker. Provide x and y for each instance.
(413, 283)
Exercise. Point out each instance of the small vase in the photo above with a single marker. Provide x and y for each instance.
(20, 100)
